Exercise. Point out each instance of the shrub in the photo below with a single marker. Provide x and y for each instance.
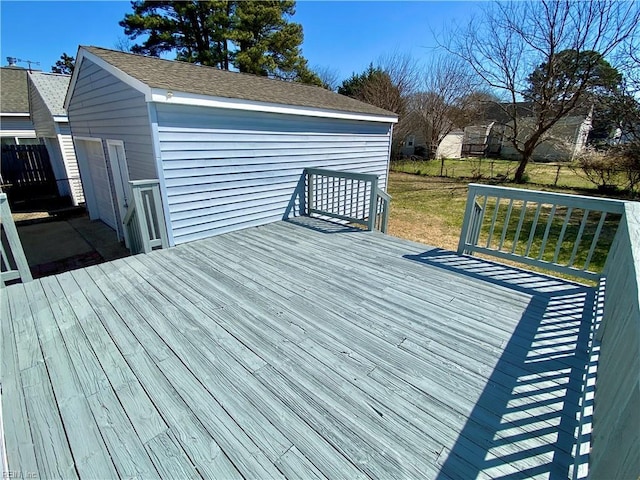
(602, 168)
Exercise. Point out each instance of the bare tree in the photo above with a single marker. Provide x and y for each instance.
(123, 44)
(443, 102)
(328, 76)
(559, 44)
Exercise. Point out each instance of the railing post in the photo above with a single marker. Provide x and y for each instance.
(15, 246)
(385, 216)
(467, 222)
(157, 202)
(373, 205)
(309, 192)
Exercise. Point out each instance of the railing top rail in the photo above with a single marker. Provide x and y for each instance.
(342, 174)
(581, 201)
(384, 195)
(144, 183)
(130, 211)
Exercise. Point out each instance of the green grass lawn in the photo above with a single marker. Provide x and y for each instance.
(484, 169)
(431, 209)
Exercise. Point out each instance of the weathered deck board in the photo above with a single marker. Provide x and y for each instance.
(301, 350)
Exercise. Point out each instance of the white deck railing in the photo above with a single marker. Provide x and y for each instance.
(562, 233)
(350, 196)
(14, 263)
(553, 231)
(616, 417)
(144, 224)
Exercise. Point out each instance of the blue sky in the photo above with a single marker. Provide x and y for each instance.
(345, 36)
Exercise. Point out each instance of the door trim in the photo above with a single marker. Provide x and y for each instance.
(120, 172)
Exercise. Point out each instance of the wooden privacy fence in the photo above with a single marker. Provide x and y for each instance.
(144, 225)
(14, 263)
(26, 172)
(350, 196)
(558, 232)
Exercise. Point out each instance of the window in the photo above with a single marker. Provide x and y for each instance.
(411, 139)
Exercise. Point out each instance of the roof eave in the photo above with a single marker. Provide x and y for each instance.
(160, 95)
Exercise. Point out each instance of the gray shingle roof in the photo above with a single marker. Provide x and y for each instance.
(52, 88)
(201, 80)
(14, 92)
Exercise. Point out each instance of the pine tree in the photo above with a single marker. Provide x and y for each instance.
(65, 65)
(250, 36)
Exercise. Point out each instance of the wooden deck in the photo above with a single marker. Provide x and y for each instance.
(301, 350)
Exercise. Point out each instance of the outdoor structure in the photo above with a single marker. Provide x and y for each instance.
(310, 349)
(46, 98)
(450, 146)
(227, 150)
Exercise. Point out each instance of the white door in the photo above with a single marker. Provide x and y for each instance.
(120, 172)
(90, 154)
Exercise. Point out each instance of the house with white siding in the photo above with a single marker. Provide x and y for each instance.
(32, 113)
(46, 98)
(227, 149)
(16, 126)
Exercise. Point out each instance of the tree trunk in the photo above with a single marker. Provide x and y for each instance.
(519, 175)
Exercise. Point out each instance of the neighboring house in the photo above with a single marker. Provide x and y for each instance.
(490, 134)
(413, 140)
(567, 138)
(46, 94)
(228, 149)
(16, 127)
(32, 113)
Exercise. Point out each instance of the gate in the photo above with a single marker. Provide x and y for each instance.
(26, 172)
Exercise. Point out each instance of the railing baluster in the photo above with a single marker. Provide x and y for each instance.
(149, 217)
(546, 231)
(519, 227)
(583, 223)
(534, 226)
(506, 225)
(563, 230)
(594, 242)
(493, 221)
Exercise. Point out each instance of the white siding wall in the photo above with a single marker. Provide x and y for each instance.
(71, 163)
(104, 107)
(225, 170)
(20, 127)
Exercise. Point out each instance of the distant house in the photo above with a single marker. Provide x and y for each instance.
(32, 113)
(489, 136)
(228, 149)
(16, 127)
(46, 95)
